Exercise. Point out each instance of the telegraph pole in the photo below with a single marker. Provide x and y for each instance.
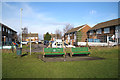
(21, 25)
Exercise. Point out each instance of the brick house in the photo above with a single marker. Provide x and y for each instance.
(106, 31)
(77, 34)
(8, 34)
(33, 36)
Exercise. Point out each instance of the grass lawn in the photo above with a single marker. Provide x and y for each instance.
(31, 67)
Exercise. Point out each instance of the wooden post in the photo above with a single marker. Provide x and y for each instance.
(56, 43)
(43, 53)
(62, 43)
(71, 52)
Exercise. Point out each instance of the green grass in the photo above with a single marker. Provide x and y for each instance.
(31, 67)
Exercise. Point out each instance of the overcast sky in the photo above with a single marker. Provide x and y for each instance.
(42, 17)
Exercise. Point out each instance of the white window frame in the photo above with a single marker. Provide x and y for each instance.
(3, 29)
(117, 28)
(8, 31)
(107, 29)
(91, 32)
(99, 31)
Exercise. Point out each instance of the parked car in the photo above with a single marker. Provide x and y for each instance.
(97, 44)
(33, 42)
(24, 42)
(113, 43)
(38, 42)
(59, 44)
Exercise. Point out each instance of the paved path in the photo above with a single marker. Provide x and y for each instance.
(37, 48)
(68, 58)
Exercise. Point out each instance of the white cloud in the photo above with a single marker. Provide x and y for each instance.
(93, 12)
(35, 21)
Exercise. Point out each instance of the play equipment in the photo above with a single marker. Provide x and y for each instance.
(79, 50)
(54, 51)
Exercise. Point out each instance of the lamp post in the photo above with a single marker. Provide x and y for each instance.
(21, 25)
(30, 43)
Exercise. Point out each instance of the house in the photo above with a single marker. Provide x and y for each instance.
(106, 31)
(77, 34)
(33, 36)
(8, 34)
(53, 37)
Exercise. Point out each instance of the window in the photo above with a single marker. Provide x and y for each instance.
(106, 30)
(68, 37)
(71, 34)
(91, 32)
(58, 44)
(111, 39)
(117, 28)
(3, 28)
(8, 31)
(9, 39)
(99, 31)
(74, 37)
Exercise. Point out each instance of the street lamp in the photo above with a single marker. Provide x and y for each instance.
(21, 25)
(30, 43)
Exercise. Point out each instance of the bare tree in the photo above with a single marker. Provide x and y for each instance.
(67, 28)
(24, 33)
(25, 30)
(58, 34)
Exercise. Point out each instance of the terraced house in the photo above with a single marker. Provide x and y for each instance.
(8, 34)
(77, 34)
(33, 36)
(106, 31)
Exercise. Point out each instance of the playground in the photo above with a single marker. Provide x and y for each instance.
(34, 66)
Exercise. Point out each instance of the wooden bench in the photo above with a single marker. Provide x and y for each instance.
(54, 51)
(79, 50)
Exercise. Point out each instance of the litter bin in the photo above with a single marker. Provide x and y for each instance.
(19, 51)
